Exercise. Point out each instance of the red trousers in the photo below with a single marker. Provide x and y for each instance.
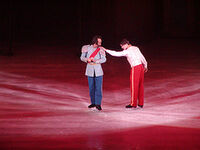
(136, 85)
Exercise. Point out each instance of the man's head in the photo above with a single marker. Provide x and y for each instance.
(97, 40)
(124, 44)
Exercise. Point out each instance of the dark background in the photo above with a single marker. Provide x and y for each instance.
(75, 22)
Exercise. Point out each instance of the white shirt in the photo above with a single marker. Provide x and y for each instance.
(133, 55)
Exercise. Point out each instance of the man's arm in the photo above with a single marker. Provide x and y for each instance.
(117, 54)
(84, 51)
(143, 60)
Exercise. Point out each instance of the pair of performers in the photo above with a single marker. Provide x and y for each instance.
(94, 55)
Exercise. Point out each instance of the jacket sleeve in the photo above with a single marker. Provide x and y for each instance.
(84, 51)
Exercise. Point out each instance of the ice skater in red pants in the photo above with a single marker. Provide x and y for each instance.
(138, 67)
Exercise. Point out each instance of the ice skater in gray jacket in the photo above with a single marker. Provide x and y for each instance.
(94, 56)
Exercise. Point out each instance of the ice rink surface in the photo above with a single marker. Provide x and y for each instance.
(44, 97)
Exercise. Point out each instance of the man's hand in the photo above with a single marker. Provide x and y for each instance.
(145, 70)
(89, 60)
(92, 59)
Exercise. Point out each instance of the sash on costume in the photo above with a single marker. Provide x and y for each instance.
(94, 53)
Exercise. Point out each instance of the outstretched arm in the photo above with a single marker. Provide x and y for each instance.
(115, 53)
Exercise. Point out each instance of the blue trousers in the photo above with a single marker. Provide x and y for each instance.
(95, 88)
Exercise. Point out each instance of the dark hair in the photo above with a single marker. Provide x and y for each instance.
(124, 41)
(95, 39)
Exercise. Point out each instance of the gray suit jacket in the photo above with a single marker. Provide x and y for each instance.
(100, 58)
